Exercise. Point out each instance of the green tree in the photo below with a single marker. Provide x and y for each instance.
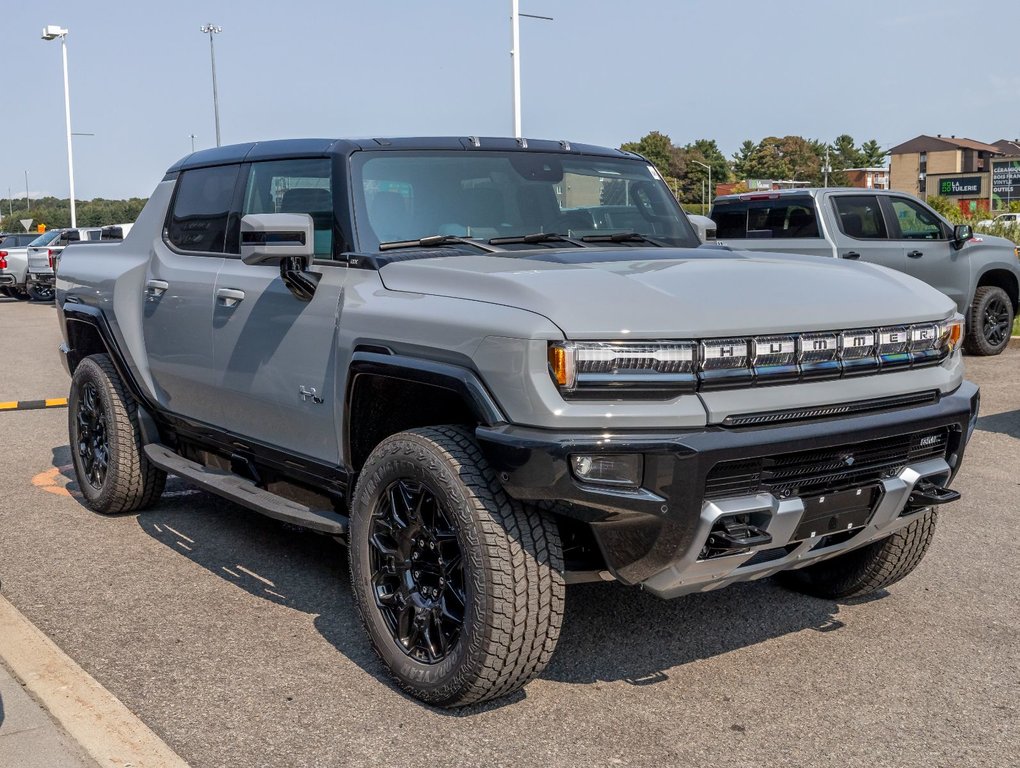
(658, 149)
(742, 158)
(873, 155)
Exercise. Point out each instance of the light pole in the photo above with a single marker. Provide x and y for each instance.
(212, 29)
(704, 165)
(192, 137)
(515, 57)
(52, 32)
(28, 197)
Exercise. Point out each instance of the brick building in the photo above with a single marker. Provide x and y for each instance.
(964, 161)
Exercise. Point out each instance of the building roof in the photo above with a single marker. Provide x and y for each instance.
(1010, 147)
(941, 143)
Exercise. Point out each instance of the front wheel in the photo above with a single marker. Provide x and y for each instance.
(991, 321)
(459, 586)
(113, 472)
(868, 569)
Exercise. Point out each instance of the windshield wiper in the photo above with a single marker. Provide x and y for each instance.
(536, 237)
(624, 237)
(433, 241)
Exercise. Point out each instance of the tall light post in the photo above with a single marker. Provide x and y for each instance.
(52, 32)
(212, 29)
(515, 57)
(704, 165)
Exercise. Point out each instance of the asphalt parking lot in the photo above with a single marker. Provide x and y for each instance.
(236, 640)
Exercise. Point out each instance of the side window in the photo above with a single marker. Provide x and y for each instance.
(198, 221)
(295, 186)
(916, 222)
(860, 217)
(767, 219)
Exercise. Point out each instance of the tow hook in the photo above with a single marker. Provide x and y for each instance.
(731, 535)
(927, 494)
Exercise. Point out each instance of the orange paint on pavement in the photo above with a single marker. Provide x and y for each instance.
(54, 481)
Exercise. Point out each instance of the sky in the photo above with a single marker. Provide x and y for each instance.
(601, 72)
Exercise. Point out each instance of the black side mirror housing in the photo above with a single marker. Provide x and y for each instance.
(962, 233)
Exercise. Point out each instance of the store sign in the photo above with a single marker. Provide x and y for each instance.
(967, 185)
(1006, 180)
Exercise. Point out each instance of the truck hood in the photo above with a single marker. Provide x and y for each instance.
(675, 293)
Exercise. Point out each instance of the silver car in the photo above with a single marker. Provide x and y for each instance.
(14, 263)
(42, 258)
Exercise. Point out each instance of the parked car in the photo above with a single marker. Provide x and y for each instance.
(414, 346)
(1003, 219)
(14, 262)
(43, 254)
(892, 229)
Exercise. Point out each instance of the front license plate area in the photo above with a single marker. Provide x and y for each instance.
(836, 512)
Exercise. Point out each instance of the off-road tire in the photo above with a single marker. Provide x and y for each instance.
(985, 298)
(131, 481)
(866, 570)
(37, 293)
(512, 568)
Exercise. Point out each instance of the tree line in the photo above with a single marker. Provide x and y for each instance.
(787, 158)
(56, 213)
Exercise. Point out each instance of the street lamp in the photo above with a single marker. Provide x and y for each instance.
(703, 165)
(212, 29)
(515, 57)
(52, 32)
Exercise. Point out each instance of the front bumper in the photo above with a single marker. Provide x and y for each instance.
(654, 535)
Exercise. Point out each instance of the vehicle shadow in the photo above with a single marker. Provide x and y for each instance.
(610, 633)
(1007, 423)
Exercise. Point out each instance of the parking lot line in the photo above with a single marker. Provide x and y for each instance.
(33, 405)
(106, 729)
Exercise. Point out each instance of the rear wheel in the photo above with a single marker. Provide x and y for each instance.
(868, 569)
(39, 292)
(114, 474)
(990, 322)
(459, 586)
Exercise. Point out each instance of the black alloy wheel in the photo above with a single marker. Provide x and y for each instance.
(417, 571)
(997, 318)
(93, 443)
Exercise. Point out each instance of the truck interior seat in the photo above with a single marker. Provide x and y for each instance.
(852, 224)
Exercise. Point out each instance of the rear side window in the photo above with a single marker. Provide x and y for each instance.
(198, 220)
(295, 186)
(860, 217)
(757, 219)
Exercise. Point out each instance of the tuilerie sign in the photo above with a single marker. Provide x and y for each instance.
(967, 185)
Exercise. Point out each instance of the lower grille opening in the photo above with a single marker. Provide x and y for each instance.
(735, 534)
(834, 538)
(768, 555)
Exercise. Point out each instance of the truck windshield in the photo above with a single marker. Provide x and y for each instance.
(505, 196)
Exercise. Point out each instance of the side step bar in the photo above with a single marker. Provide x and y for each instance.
(246, 493)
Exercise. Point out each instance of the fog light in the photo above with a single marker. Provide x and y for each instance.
(614, 469)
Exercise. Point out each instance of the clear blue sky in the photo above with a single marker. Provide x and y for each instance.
(603, 72)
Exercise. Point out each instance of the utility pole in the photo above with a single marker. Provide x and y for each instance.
(192, 137)
(28, 197)
(212, 29)
(709, 169)
(825, 170)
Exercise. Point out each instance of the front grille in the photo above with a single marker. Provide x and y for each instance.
(824, 470)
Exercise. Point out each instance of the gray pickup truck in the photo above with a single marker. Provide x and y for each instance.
(493, 367)
(980, 273)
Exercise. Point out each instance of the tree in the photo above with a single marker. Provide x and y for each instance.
(873, 156)
(658, 149)
(741, 159)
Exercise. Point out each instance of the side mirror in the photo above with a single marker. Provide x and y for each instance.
(286, 239)
(272, 238)
(962, 233)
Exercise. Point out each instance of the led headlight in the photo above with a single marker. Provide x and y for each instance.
(597, 367)
(950, 335)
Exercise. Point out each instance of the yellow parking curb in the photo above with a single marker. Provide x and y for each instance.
(33, 405)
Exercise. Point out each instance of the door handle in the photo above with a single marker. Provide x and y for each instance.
(851, 255)
(915, 254)
(229, 297)
(156, 288)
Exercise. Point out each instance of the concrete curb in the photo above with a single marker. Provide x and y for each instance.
(107, 730)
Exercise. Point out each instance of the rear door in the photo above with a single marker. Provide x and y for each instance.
(928, 253)
(275, 355)
(178, 294)
(862, 232)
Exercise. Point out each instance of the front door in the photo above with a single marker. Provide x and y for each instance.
(275, 355)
